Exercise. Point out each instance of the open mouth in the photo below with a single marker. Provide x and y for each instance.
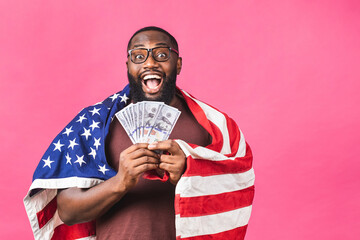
(152, 83)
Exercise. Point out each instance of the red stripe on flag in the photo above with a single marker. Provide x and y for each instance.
(198, 113)
(47, 213)
(203, 167)
(212, 129)
(76, 231)
(176, 203)
(233, 130)
(234, 234)
(234, 135)
(217, 138)
(212, 204)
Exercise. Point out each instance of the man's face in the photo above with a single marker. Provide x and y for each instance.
(152, 80)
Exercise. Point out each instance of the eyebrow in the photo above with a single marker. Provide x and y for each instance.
(161, 44)
(138, 45)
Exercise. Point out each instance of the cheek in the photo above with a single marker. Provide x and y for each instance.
(133, 69)
(169, 68)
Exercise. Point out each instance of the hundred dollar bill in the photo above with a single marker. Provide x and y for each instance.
(123, 121)
(141, 121)
(134, 112)
(164, 124)
(130, 117)
(151, 110)
(148, 121)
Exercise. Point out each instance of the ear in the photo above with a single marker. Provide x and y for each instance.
(127, 65)
(178, 65)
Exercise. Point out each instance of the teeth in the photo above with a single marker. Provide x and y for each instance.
(151, 77)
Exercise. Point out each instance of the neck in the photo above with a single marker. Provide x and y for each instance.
(174, 100)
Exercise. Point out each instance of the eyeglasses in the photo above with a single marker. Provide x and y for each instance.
(160, 54)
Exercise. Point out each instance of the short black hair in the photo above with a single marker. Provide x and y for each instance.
(153, 28)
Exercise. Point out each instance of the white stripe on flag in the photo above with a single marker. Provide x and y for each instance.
(38, 202)
(219, 120)
(212, 224)
(87, 238)
(48, 230)
(208, 154)
(59, 183)
(241, 152)
(195, 186)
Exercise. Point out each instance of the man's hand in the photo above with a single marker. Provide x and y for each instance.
(76, 205)
(134, 161)
(173, 163)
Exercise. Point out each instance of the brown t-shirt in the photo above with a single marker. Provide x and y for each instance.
(147, 210)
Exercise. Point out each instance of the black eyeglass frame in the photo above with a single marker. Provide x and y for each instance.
(151, 50)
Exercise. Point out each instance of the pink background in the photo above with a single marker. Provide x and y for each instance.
(286, 71)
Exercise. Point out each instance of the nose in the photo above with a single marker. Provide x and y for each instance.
(150, 61)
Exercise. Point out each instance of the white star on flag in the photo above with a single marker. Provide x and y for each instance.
(68, 159)
(115, 96)
(93, 152)
(47, 162)
(80, 160)
(103, 169)
(68, 131)
(97, 143)
(81, 118)
(95, 111)
(72, 144)
(58, 146)
(86, 133)
(124, 98)
(94, 125)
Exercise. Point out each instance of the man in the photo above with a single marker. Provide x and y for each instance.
(204, 147)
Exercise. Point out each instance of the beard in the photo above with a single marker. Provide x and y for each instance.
(166, 93)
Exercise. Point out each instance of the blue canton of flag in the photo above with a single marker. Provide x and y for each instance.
(78, 151)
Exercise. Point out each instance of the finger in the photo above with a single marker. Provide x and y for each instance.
(135, 147)
(145, 160)
(142, 152)
(167, 167)
(134, 167)
(168, 159)
(168, 145)
(145, 167)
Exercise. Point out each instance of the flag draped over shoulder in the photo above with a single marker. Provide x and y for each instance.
(213, 197)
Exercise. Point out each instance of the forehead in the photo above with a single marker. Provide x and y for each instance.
(150, 39)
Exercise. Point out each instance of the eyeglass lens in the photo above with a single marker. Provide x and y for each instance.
(140, 55)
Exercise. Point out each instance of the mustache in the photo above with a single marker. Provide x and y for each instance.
(166, 95)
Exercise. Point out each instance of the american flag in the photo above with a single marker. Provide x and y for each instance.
(213, 197)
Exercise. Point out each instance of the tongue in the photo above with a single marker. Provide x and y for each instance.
(152, 83)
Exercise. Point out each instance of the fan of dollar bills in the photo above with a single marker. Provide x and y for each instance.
(147, 122)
